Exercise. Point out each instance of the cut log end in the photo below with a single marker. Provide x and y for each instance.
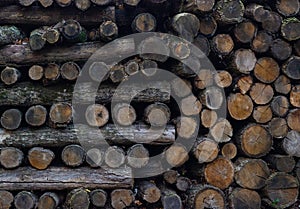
(121, 198)
(40, 158)
(205, 150)
(98, 197)
(26, 200)
(70, 71)
(77, 199)
(137, 156)
(144, 22)
(123, 114)
(97, 115)
(36, 72)
(48, 200)
(11, 157)
(73, 155)
(10, 75)
(36, 115)
(60, 114)
(108, 31)
(239, 106)
(157, 114)
(114, 157)
(6, 199)
(11, 119)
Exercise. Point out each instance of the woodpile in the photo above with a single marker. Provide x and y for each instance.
(219, 134)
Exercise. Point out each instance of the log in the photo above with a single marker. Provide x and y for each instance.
(26, 3)
(148, 191)
(287, 7)
(10, 75)
(245, 31)
(282, 163)
(51, 73)
(59, 178)
(98, 197)
(60, 114)
(102, 2)
(180, 50)
(297, 47)
(204, 79)
(281, 190)
(144, 22)
(149, 67)
(72, 31)
(176, 155)
(290, 68)
(94, 157)
(36, 72)
(46, 3)
(208, 26)
(132, 67)
(203, 44)
(63, 3)
(147, 47)
(272, 22)
(123, 114)
(244, 83)
(35, 15)
(73, 155)
(10, 34)
(190, 106)
(169, 199)
(205, 196)
(239, 106)
(241, 198)
(290, 29)
(77, 199)
(261, 93)
(212, 97)
(121, 198)
(82, 5)
(261, 42)
(291, 144)
(295, 96)
(114, 157)
(52, 35)
(137, 156)
(11, 157)
(223, 79)
(229, 151)
(293, 119)
(48, 200)
(99, 71)
(262, 114)
(96, 115)
(25, 200)
(183, 183)
(187, 127)
(69, 71)
(266, 70)
(251, 173)
(170, 176)
(222, 131)
(281, 50)
(208, 118)
(200, 6)
(132, 3)
(280, 106)
(278, 127)
(255, 141)
(37, 40)
(117, 74)
(157, 114)
(282, 84)
(48, 137)
(256, 12)
(205, 150)
(40, 158)
(36, 115)
(11, 119)
(108, 31)
(6, 199)
(181, 87)
(226, 15)
(244, 61)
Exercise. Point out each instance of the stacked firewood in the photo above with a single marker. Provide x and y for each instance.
(246, 158)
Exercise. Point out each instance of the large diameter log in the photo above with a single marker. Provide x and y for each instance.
(262, 114)
(205, 150)
(266, 70)
(6, 199)
(36, 115)
(244, 198)
(290, 68)
(262, 42)
(288, 7)
(52, 137)
(261, 93)
(271, 22)
(77, 199)
(11, 157)
(58, 178)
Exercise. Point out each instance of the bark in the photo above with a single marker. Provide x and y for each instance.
(281, 50)
(10, 34)
(282, 163)
(290, 68)
(226, 15)
(238, 201)
(290, 29)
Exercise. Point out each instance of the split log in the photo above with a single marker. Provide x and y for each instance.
(244, 198)
(51, 73)
(223, 79)
(281, 190)
(170, 200)
(288, 7)
(11, 157)
(117, 74)
(205, 196)
(36, 115)
(40, 158)
(98, 197)
(281, 50)
(205, 150)
(121, 198)
(290, 29)
(114, 157)
(77, 199)
(280, 106)
(229, 151)
(157, 114)
(208, 26)
(244, 84)
(58, 178)
(73, 31)
(108, 31)
(291, 144)
(73, 155)
(208, 118)
(96, 115)
(132, 67)
(10, 75)
(60, 114)
(63, 3)
(149, 67)
(290, 68)
(48, 200)
(25, 200)
(82, 5)
(94, 157)
(36, 72)
(170, 176)
(190, 106)
(37, 40)
(10, 34)
(255, 141)
(46, 3)
(148, 191)
(283, 84)
(278, 127)
(245, 31)
(137, 156)
(244, 61)
(212, 97)
(144, 22)
(239, 106)
(187, 127)
(123, 114)
(222, 131)
(283, 163)
(262, 42)
(69, 71)
(293, 119)
(181, 87)
(176, 155)
(295, 96)
(271, 22)
(261, 93)
(251, 173)
(226, 15)
(99, 71)
(11, 119)
(262, 114)
(266, 70)
(6, 199)
(183, 183)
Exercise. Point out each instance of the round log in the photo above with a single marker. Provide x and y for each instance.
(183, 183)
(10, 75)
(176, 155)
(108, 30)
(272, 22)
(123, 114)
(48, 200)
(181, 87)
(295, 96)
(36, 115)
(293, 119)
(36, 72)
(77, 199)
(262, 42)
(244, 61)
(229, 151)
(282, 84)
(203, 44)
(73, 155)
(132, 3)
(190, 106)
(202, 6)
(137, 156)
(83, 5)
(226, 15)
(73, 32)
(69, 71)
(288, 7)
(40, 158)
(97, 115)
(99, 71)
(98, 197)
(37, 40)
(51, 72)
(222, 131)
(144, 22)
(46, 3)
(121, 198)
(26, 3)
(148, 191)
(266, 70)
(205, 150)
(244, 198)
(170, 200)
(132, 67)
(239, 106)
(290, 68)
(117, 74)
(11, 157)
(280, 49)
(114, 157)
(262, 114)
(291, 144)
(261, 93)
(223, 79)
(290, 29)
(11, 119)
(157, 114)
(204, 79)
(222, 44)
(256, 12)
(278, 127)
(101, 2)
(170, 176)
(212, 97)
(208, 26)
(6, 199)
(149, 67)
(25, 200)
(280, 106)
(60, 114)
(208, 118)
(245, 31)
(186, 127)
(52, 35)
(283, 163)
(94, 157)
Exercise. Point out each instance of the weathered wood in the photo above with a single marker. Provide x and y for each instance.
(183, 183)
(48, 200)
(148, 67)
(169, 199)
(266, 70)
(73, 31)
(222, 131)
(37, 40)
(58, 178)
(290, 68)
(144, 22)
(25, 200)
(190, 106)
(63, 3)
(212, 97)
(117, 74)
(123, 114)
(244, 61)
(262, 114)
(181, 87)
(295, 96)
(36, 115)
(205, 150)
(60, 114)
(244, 83)
(281, 50)
(278, 127)
(291, 144)
(245, 31)
(223, 79)
(201, 6)
(186, 127)
(239, 106)
(26, 3)
(132, 67)
(244, 198)
(52, 35)
(70, 71)
(271, 22)
(176, 155)
(283, 84)
(11, 119)
(96, 115)
(208, 118)
(132, 3)
(6, 199)
(280, 106)
(36, 72)
(99, 71)
(77, 199)
(226, 15)
(170, 176)
(51, 73)
(229, 150)
(114, 157)
(290, 29)
(256, 12)
(83, 5)
(137, 156)
(297, 47)
(11, 157)
(288, 7)
(148, 191)
(262, 42)
(46, 3)
(40, 158)
(283, 163)
(208, 26)
(108, 30)
(203, 44)
(261, 93)
(10, 34)
(157, 114)
(103, 2)
(94, 157)
(121, 198)
(10, 75)
(204, 79)
(293, 119)
(98, 197)
(73, 155)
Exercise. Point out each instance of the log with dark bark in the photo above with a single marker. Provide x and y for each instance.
(226, 15)
(256, 12)
(25, 200)
(108, 30)
(280, 106)
(114, 157)
(290, 29)
(98, 197)
(77, 199)
(11, 119)
(132, 67)
(40, 158)
(48, 200)
(282, 84)
(60, 114)
(11, 157)
(205, 150)
(169, 199)
(208, 26)
(291, 144)
(293, 119)
(96, 115)
(26, 3)
(10, 75)
(288, 7)
(245, 31)
(73, 155)
(72, 31)
(121, 198)
(144, 22)
(281, 50)
(262, 42)
(272, 22)
(183, 183)
(241, 198)
(148, 191)
(52, 35)
(290, 68)
(103, 2)
(6, 199)
(149, 67)
(222, 44)
(200, 6)
(37, 40)
(283, 163)
(36, 115)
(70, 71)
(117, 74)
(10, 34)
(137, 156)
(36, 72)
(123, 114)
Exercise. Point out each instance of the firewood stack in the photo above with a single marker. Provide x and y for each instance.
(245, 158)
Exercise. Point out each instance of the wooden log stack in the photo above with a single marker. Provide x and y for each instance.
(220, 138)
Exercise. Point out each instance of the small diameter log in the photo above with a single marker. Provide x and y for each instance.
(282, 84)
(25, 200)
(60, 114)
(208, 118)
(157, 114)
(255, 141)
(148, 191)
(222, 131)
(137, 156)
(278, 127)
(223, 79)
(208, 26)
(204, 79)
(226, 15)
(186, 25)
(293, 119)
(77, 199)
(170, 200)
(10, 34)
(244, 198)
(82, 5)
(262, 114)
(176, 155)
(144, 22)
(40, 158)
(187, 127)
(114, 157)
(99, 71)
(205, 196)
(261, 93)
(245, 31)
(37, 40)
(149, 67)
(229, 151)
(73, 32)
(63, 3)
(180, 50)
(291, 68)
(244, 83)
(181, 87)
(280, 106)
(183, 183)
(272, 22)
(291, 144)
(94, 157)
(48, 200)
(96, 115)
(51, 73)
(98, 197)
(170, 176)
(295, 96)
(10, 75)
(123, 114)
(244, 61)
(251, 173)
(256, 12)
(290, 29)
(239, 106)
(46, 3)
(36, 115)
(212, 97)
(266, 70)
(108, 30)
(262, 42)
(11, 119)
(52, 35)
(69, 71)
(36, 72)
(190, 106)
(222, 44)
(205, 150)
(6, 199)
(26, 3)
(121, 198)
(73, 155)
(281, 50)
(11, 157)
(132, 67)
(288, 7)
(283, 163)
(117, 74)
(281, 190)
